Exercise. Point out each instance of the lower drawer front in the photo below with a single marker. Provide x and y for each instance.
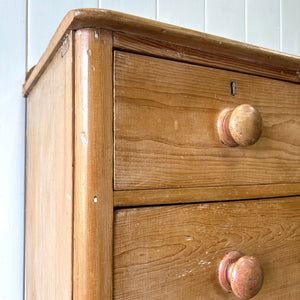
(173, 252)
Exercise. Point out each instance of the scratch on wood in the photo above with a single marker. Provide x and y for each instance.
(65, 46)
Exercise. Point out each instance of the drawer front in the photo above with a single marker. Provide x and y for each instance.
(166, 136)
(173, 252)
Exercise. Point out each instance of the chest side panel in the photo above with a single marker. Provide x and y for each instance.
(49, 182)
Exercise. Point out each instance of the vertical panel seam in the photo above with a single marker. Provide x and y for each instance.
(205, 16)
(25, 152)
(26, 36)
(246, 20)
(280, 27)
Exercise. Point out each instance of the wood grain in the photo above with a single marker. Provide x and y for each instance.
(202, 194)
(223, 48)
(93, 208)
(49, 183)
(201, 55)
(173, 252)
(166, 126)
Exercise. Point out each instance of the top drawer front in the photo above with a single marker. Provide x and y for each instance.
(166, 136)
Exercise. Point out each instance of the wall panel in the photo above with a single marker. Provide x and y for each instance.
(145, 8)
(290, 16)
(12, 124)
(263, 23)
(43, 19)
(190, 15)
(226, 18)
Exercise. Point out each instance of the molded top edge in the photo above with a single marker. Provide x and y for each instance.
(129, 24)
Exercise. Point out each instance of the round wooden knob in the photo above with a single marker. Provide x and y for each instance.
(240, 126)
(242, 275)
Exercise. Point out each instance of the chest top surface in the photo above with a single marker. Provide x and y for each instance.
(218, 52)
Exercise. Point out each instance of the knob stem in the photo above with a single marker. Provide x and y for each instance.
(223, 128)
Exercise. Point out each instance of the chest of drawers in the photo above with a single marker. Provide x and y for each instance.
(145, 168)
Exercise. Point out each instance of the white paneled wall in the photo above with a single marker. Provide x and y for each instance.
(290, 28)
(226, 18)
(12, 124)
(144, 8)
(190, 15)
(44, 17)
(263, 23)
(26, 27)
(272, 24)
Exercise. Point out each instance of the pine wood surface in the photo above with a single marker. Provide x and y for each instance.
(49, 183)
(159, 137)
(200, 55)
(173, 252)
(166, 136)
(119, 22)
(93, 219)
(202, 194)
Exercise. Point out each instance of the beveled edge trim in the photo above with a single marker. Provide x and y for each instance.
(116, 21)
(203, 194)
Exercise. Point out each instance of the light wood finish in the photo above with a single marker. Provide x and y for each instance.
(166, 136)
(201, 55)
(202, 194)
(49, 181)
(173, 252)
(93, 219)
(245, 125)
(241, 126)
(279, 65)
(155, 141)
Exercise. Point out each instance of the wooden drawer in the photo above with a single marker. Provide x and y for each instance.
(123, 112)
(166, 116)
(173, 252)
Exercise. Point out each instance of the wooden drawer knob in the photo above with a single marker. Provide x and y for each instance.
(242, 275)
(240, 126)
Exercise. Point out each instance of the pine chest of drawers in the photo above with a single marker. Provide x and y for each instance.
(153, 152)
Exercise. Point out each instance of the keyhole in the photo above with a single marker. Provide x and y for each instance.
(233, 88)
